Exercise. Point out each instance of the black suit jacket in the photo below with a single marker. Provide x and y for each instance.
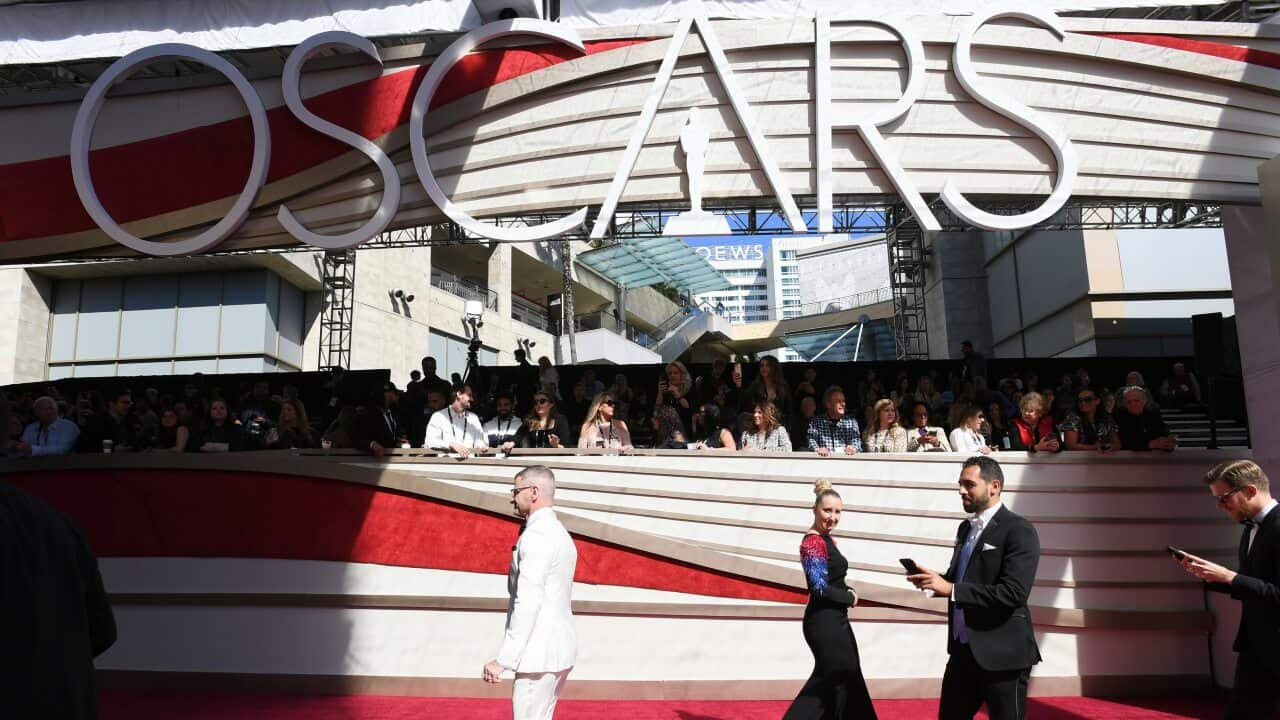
(54, 616)
(1257, 587)
(993, 592)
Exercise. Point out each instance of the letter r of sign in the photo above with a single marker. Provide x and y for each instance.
(867, 127)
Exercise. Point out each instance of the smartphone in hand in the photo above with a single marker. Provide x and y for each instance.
(910, 566)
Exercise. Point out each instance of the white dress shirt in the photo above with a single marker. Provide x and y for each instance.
(447, 427)
(977, 523)
(1257, 521)
(59, 438)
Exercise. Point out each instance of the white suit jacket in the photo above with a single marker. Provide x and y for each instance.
(540, 635)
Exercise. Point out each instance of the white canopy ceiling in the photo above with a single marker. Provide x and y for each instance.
(591, 13)
(53, 32)
(39, 33)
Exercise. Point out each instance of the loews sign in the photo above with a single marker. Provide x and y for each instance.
(828, 120)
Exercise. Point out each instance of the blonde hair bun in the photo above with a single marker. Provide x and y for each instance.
(822, 486)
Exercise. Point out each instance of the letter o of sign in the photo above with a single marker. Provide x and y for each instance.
(82, 137)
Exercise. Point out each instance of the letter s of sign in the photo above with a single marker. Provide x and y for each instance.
(290, 85)
(422, 102)
(82, 137)
(1057, 139)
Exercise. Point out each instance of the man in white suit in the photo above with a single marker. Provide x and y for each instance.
(540, 643)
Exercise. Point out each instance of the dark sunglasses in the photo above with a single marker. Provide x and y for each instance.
(1088, 398)
(541, 401)
(609, 402)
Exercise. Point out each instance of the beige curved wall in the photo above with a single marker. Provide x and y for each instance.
(1112, 612)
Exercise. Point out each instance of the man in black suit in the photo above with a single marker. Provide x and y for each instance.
(989, 635)
(54, 616)
(1243, 492)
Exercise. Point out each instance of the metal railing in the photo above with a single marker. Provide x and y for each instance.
(465, 289)
(817, 307)
(604, 320)
(529, 313)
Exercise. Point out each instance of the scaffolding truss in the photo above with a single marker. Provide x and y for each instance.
(907, 264)
(337, 314)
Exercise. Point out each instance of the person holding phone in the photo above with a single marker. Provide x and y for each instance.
(1033, 429)
(924, 437)
(836, 688)
(1243, 492)
(989, 634)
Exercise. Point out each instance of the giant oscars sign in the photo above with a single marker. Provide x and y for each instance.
(828, 121)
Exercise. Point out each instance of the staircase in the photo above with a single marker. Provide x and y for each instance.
(1191, 425)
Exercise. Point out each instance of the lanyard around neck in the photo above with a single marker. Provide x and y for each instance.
(454, 427)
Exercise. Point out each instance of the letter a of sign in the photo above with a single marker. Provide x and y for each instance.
(740, 107)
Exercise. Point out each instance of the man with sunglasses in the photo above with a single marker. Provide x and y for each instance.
(540, 644)
(1244, 493)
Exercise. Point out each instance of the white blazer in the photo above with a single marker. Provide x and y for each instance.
(540, 635)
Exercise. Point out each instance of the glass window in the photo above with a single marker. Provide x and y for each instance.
(66, 308)
(98, 331)
(244, 313)
(199, 302)
(162, 367)
(187, 367)
(146, 328)
(292, 309)
(103, 369)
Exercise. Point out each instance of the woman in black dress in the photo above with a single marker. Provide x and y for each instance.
(836, 690)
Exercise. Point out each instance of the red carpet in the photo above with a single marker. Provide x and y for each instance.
(122, 705)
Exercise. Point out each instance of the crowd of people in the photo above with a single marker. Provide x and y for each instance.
(731, 405)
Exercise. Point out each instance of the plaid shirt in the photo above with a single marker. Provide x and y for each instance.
(834, 434)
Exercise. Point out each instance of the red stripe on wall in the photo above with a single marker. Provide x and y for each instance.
(152, 513)
(1203, 47)
(150, 177)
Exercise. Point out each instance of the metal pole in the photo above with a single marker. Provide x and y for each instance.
(833, 342)
(858, 346)
(566, 302)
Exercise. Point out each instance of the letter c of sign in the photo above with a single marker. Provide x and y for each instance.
(82, 137)
(422, 102)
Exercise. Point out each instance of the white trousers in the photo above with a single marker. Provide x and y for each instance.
(534, 695)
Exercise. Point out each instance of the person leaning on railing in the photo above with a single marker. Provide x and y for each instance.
(292, 429)
(602, 429)
(923, 437)
(885, 434)
(767, 433)
(1033, 430)
(834, 431)
(967, 436)
(1140, 425)
(1088, 427)
(544, 427)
